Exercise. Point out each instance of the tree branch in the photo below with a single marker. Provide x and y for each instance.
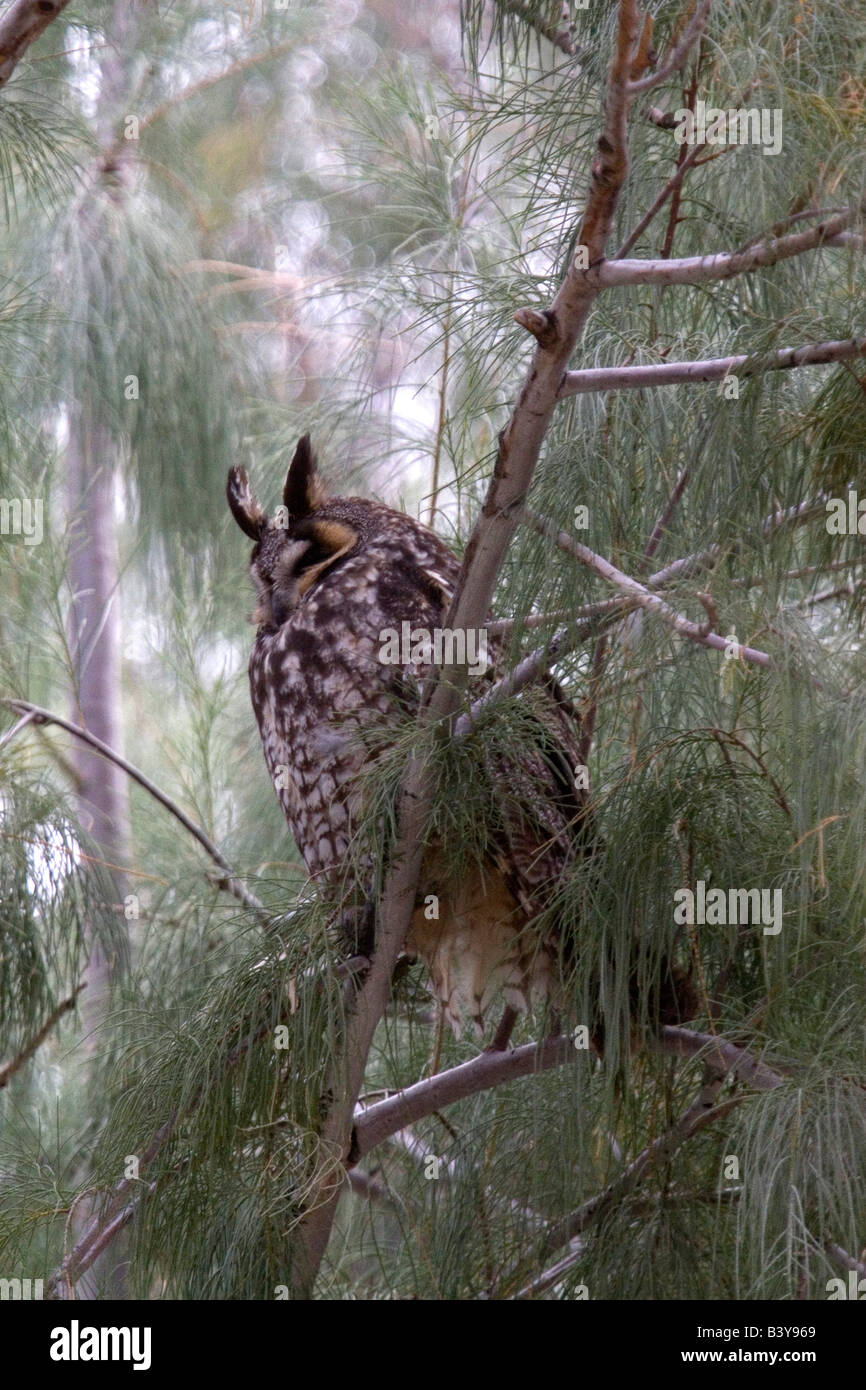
(691, 34)
(709, 369)
(375, 1123)
(22, 723)
(559, 328)
(32, 1044)
(718, 1056)
(560, 35)
(702, 1112)
(663, 520)
(527, 670)
(672, 186)
(724, 265)
(194, 88)
(568, 637)
(841, 1257)
(229, 882)
(642, 595)
(21, 26)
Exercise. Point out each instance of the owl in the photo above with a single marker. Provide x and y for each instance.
(337, 579)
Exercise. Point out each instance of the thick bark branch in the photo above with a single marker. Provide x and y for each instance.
(724, 265)
(20, 26)
(709, 369)
(375, 1123)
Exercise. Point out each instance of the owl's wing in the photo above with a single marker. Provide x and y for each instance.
(544, 820)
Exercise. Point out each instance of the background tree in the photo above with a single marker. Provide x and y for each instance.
(321, 217)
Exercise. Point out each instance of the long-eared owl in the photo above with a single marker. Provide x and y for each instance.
(332, 576)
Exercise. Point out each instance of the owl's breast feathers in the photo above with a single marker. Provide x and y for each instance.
(318, 681)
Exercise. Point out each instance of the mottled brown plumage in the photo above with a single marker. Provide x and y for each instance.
(332, 576)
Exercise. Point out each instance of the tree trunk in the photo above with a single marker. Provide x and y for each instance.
(94, 631)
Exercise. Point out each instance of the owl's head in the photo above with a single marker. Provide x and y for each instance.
(297, 546)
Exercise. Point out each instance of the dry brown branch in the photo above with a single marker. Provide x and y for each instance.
(21, 26)
(690, 35)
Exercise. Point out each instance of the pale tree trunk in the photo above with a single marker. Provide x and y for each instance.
(102, 793)
(95, 625)
(94, 630)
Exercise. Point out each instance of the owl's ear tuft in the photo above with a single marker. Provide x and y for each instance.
(245, 508)
(304, 491)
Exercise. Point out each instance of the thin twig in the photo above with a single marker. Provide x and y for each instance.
(702, 1112)
(663, 521)
(229, 882)
(532, 666)
(642, 595)
(194, 88)
(16, 728)
(673, 185)
(39, 1037)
